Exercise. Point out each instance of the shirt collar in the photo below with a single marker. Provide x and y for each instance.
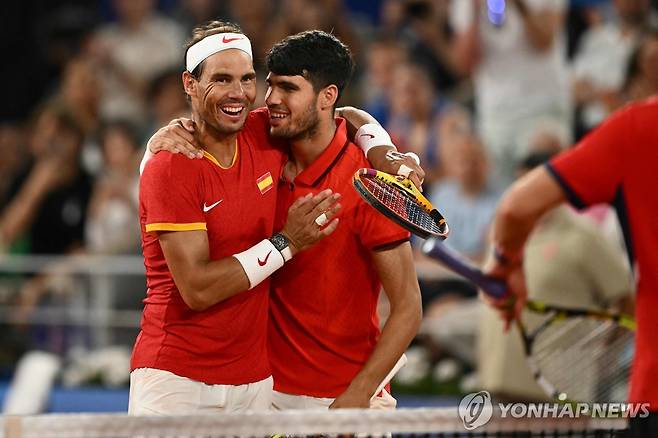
(329, 157)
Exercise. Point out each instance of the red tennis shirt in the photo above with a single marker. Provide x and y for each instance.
(618, 164)
(323, 306)
(225, 344)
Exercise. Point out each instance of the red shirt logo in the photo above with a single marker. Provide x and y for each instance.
(262, 263)
(228, 40)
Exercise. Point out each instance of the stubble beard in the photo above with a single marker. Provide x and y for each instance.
(308, 123)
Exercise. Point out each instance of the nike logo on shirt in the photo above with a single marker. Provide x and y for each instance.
(207, 208)
(264, 261)
(370, 136)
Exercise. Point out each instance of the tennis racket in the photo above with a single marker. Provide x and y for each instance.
(574, 354)
(398, 199)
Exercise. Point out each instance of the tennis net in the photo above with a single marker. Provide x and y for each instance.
(444, 422)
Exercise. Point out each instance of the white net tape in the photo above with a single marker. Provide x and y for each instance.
(369, 422)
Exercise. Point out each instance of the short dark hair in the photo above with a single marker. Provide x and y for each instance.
(204, 30)
(318, 56)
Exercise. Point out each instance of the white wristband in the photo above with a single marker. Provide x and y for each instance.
(286, 253)
(260, 261)
(370, 135)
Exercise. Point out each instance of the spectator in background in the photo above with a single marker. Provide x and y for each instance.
(600, 63)
(519, 68)
(331, 16)
(48, 214)
(112, 226)
(14, 160)
(545, 135)
(166, 100)
(113, 220)
(466, 196)
(131, 53)
(80, 96)
(467, 199)
(50, 206)
(382, 54)
(415, 110)
(424, 27)
(391, 16)
(257, 18)
(642, 80)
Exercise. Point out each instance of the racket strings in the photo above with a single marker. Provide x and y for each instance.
(587, 359)
(401, 204)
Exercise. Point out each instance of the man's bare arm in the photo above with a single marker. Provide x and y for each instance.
(355, 118)
(396, 271)
(380, 157)
(201, 282)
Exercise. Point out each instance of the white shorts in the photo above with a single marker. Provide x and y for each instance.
(282, 401)
(158, 392)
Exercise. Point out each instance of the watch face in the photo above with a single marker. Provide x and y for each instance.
(279, 241)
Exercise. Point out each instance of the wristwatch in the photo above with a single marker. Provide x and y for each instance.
(281, 243)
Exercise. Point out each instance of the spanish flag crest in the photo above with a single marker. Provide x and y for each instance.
(265, 183)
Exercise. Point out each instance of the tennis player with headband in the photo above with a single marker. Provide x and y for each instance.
(325, 345)
(209, 245)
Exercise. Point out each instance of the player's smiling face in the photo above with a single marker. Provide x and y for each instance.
(225, 91)
(293, 106)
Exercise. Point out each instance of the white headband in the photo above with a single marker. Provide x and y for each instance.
(213, 44)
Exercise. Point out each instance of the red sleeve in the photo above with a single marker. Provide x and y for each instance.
(171, 194)
(592, 171)
(375, 230)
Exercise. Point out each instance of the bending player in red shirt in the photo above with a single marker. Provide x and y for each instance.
(208, 245)
(615, 164)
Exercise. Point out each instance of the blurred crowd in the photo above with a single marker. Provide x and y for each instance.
(477, 93)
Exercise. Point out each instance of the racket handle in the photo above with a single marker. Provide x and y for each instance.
(458, 264)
